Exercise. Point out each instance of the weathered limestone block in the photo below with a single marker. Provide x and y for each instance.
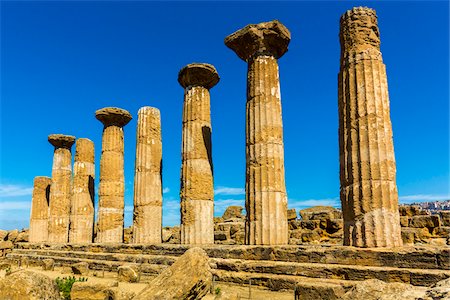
(318, 291)
(197, 190)
(23, 237)
(147, 217)
(92, 290)
(310, 224)
(12, 235)
(232, 212)
(334, 225)
(411, 210)
(3, 234)
(82, 204)
(425, 221)
(415, 235)
(81, 268)
(320, 213)
(189, 277)
(377, 289)
(112, 180)
(48, 264)
(60, 189)
(28, 285)
(127, 273)
(291, 214)
(39, 209)
(445, 217)
(404, 221)
(367, 164)
(443, 231)
(261, 45)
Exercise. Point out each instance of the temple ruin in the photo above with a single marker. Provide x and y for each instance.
(315, 251)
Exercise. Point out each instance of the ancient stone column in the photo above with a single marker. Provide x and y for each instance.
(39, 209)
(197, 188)
(260, 45)
(112, 180)
(82, 203)
(59, 208)
(147, 217)
(367, 164)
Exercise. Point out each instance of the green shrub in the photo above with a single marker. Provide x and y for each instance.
(65, 285)
(217, 290)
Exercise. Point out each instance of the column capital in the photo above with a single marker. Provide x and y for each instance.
(198, 74)
(268, 38)
(113, 116)
(61, 140)
(359, 30)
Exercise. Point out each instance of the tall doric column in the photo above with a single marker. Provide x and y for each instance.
(82, 203)
(260, 45)
(197, 188)
(112, 179)
(367, 164)
(147, 217)
(59, 212)
(39, 209)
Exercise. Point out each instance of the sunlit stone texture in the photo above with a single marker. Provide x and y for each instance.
(260, 45)
(59, 212)
(197, 188)
(112, 180)
(82, 203)
(367, 164)
(147, 217)
(39, 209)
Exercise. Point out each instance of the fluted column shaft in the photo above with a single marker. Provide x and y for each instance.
(197, 190)
(367, 163)
(82, 203)
(39, 210)
(197, 184)
(112, 179)
(59, 208)
(112, 187)
(147, 217)
(266, 203)
(260, 45)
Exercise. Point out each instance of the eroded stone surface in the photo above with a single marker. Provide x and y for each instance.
(112, 180)
(189, 277)
(197, 190)
(60, 189)
(28, 285)
(82, 204)
(147, 217)
(39, 209)
(367, 164)
(266, 199)
(198, 74)
(268, 38)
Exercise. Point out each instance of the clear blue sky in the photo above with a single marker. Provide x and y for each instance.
(61, 61)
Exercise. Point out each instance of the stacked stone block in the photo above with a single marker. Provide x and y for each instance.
(367, 164)
(197, 187)
(112, 179)
(82, 203)
(39, 209)
(261, 45)
(147, 217)
(60, 189)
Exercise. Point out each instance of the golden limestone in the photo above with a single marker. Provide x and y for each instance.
(59, 208)
(112, 179)
(147, 217)
(82, 203)
(197, 189)
(260, 45)
(367, 164)
(39, 210)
